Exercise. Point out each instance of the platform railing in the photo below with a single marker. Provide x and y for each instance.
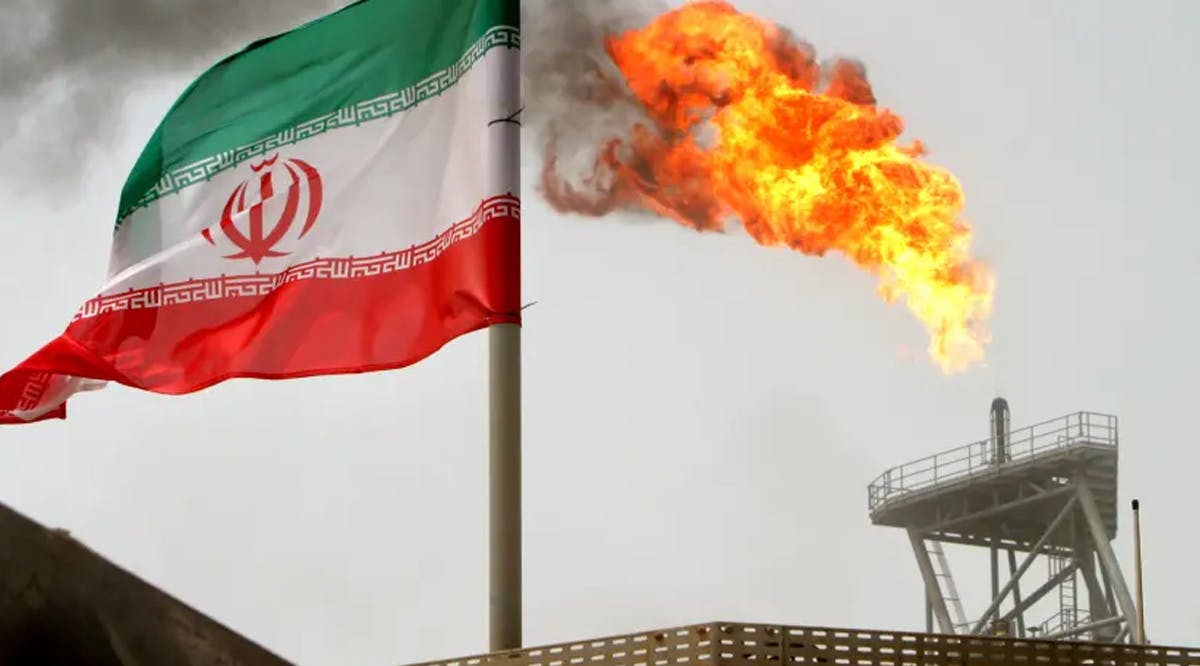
(737, 644)
(980, 458)
(1063, 620)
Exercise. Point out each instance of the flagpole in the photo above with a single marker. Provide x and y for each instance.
(505, 485)
(504, 390)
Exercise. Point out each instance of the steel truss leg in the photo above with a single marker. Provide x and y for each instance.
(1108, 560)
(1098, 606)
(933, 591)
(1012, 573)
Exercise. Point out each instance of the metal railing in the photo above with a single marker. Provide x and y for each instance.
(736, 644)
(1063, 620)
(979, 458)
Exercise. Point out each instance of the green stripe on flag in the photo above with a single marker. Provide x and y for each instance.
(370, 60)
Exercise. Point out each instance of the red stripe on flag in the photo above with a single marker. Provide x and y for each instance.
(300, 328)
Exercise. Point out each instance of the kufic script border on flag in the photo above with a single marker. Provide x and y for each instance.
(507, 206)
(353, 115)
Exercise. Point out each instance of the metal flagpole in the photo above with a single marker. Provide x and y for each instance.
(505, 485)
(504, 391)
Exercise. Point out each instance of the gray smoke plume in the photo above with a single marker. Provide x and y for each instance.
(570, 82)
(68, 66)
(575, 97)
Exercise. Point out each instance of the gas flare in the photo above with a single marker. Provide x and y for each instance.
(739, 122)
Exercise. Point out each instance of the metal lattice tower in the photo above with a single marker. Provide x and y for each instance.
(1047, 491)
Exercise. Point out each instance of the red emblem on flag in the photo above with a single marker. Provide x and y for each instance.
(246, 227)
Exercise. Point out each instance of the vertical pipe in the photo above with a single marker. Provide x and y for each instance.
(1000, 430)
(1137, 573)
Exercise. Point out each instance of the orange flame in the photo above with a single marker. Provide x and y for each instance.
(737, 128)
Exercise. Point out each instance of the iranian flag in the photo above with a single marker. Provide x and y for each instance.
(340, 198)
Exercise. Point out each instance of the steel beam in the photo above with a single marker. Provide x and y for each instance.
(995, 510)
(1012, 572)
(933, 591)
(995, 553)
(1098, 607)
(995, 605)
(1108, 560)
(1042, 591)
(1084, 628)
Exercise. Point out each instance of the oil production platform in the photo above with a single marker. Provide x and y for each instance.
(1040, 502)
(1045, 492)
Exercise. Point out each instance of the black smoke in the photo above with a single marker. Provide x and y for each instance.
(68, 68)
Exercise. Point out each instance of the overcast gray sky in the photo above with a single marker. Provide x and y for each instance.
(702, 415)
